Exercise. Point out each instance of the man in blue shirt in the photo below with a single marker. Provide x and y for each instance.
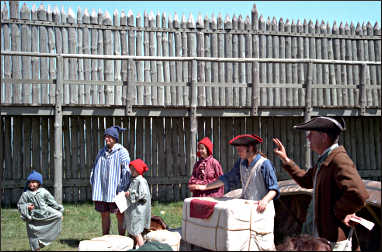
(253, 170)
(110, 175)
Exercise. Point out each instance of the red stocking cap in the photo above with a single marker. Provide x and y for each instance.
(207, 142)
(139, 166)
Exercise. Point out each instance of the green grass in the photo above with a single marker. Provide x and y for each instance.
(81, 222)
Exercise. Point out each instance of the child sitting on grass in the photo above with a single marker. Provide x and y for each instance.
(40, 211)
(138, 213)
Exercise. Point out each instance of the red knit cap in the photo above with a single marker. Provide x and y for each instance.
(206, 142)
(139, 166)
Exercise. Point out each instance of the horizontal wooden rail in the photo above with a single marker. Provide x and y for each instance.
(212, 59)
(190, 30)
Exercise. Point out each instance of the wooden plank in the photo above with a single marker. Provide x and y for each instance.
(35, 60)
(276, 66)
(207, 53)
(87, 94)
(251, 41)
(66, 148)
(242, 66)
(148, 148)
(16, 66)
(27, 146)
(7, 60)
(214, 65)
(339, 77)
(201, 67)
(228, 65)
(100, 51)
(157, 139)
(52, 61)
(294, 65)
(165, 64)
(80, 61)
(221, 71)
(303, 49)
(366, 57)
(356, 69)
(17, 148)
(162, 170)
(325, 67)
(369, 158)
(146, 47)
(139, 64)
(178, 48)
(377, 141)
(153, 66)
(360, 145)
(235, 54)
(269, 47)
(44, 147)
(318, 94)
(349, 69)
(52, 144)
(172, 67)
(82, 146)
(94, 62)
(377, 49)
(116, 50)
(187, 130)
(159, 63)
(263, 66)
(26, 60)
(72, 39)
(81, 162)
(108, 64)
(287, 92)
(282, 66)
(140, 132)
(169, 152)
(36, 160)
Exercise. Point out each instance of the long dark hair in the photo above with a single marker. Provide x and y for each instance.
(256, 149)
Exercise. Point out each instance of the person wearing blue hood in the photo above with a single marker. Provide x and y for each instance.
(109, 176)
(40, 211)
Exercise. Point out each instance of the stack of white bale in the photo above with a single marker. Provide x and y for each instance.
(107, 243)
(234, 225)
(165, 236)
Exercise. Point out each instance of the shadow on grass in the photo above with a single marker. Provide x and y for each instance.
(70, 242)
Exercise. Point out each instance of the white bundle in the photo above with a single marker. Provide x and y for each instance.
(107, 243)
(165, 236)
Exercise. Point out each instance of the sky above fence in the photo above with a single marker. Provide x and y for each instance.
(329, 11)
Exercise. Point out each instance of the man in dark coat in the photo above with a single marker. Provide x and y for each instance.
(338, 190)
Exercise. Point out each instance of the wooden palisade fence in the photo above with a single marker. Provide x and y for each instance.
(171, 82)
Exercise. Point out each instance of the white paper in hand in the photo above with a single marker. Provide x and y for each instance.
(367, 224)
(121, 201)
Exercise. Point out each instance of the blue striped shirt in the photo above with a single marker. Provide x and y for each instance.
(110, 174)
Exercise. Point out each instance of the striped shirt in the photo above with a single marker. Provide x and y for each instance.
(110, 174)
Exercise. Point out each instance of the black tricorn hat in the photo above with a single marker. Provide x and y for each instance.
(324, 124)
(245, 139)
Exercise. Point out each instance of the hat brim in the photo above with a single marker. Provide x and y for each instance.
(246, 139)
(324, 124)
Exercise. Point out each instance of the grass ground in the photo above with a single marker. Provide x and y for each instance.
(81, 222)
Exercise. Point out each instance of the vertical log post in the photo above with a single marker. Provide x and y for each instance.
(58, 131)
(255, 88)
(362, 89)
(193, 119)
(130, 88)
(308, 111)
